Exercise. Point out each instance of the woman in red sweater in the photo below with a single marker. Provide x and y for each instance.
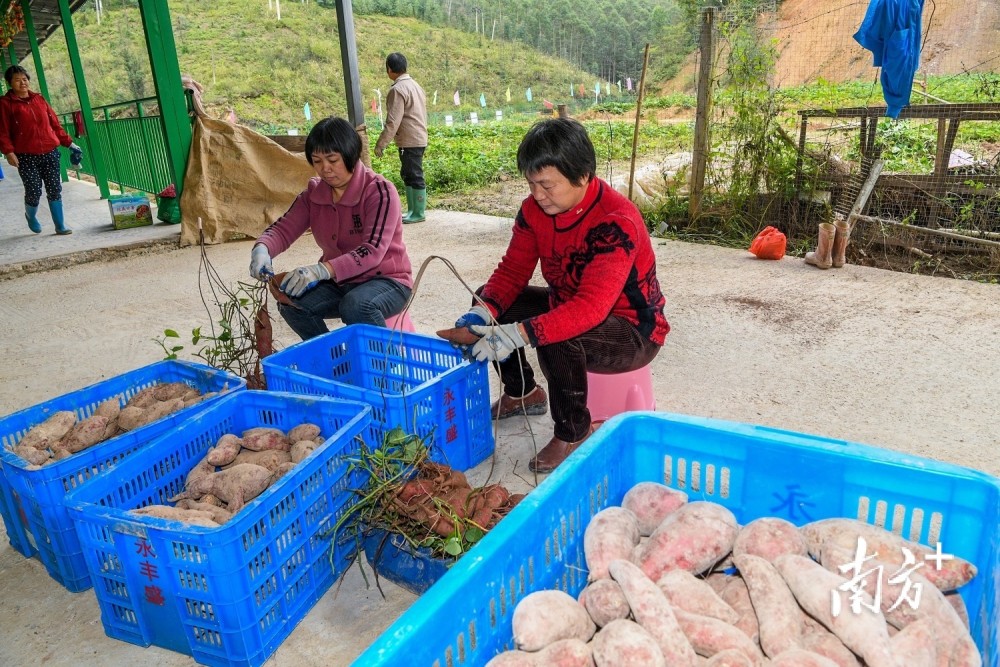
(602, 309)
(30, 136)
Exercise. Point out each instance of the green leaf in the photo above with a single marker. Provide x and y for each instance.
(177, 348)
(473, 534)
(453, 546)
(170, 333)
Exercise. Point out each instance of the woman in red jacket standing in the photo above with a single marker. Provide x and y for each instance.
(30, 136)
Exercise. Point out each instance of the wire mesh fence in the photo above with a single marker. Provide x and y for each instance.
(799, 113)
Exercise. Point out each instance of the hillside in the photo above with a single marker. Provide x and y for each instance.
(815, 41)
(267, 70)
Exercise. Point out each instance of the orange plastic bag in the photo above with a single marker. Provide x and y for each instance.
(769, 244)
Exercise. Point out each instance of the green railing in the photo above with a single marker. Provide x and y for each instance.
(131, 136)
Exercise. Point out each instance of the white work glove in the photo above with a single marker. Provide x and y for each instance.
(260, 263)
(476, 315)
(498, 341)
(304, 278)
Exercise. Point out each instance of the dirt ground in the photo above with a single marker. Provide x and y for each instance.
(900, 361)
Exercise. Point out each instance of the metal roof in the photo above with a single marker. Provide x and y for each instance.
(45, 14)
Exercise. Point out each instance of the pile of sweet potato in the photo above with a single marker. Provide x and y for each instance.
(62, 435)
(235, 471)
(441, 500)
(681, 584)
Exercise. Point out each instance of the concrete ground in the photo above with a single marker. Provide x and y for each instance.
(894, 360)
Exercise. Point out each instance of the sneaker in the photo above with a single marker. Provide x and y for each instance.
(535, 402)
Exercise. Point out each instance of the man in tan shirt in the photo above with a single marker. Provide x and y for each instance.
(406, 123)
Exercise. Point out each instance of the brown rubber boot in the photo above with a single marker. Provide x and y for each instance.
(535, 402)
(840, 239)
(823, 257)
(555, 452)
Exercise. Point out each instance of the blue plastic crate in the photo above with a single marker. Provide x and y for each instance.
(416, 382)
(392, 558)
(228, 595)
(31, 501)
(465, 618)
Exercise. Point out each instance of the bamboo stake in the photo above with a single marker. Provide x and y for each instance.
(928, 230)
(638, 115)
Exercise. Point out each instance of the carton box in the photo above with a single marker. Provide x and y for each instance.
(130, 210)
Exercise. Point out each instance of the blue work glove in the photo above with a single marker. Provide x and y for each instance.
(498, 341)
(304, 278)
(260, 263)
(478, 315)
(75, 155)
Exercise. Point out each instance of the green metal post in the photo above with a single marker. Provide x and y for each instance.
(169, 91)
(29, 27)
(97, 152)
(13, 55)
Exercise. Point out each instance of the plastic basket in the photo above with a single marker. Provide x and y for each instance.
(394, 559)
(228, 595)
(35, 518)
(465, 618)
(416, 382)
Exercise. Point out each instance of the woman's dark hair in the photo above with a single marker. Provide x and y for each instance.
(334, 135)
(396, 63)
(15, 69)
(561, 143)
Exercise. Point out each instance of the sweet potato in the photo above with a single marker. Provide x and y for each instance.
(909, 598)
(779, 617)
(202, 469)
(688, 592)
(50, 431)
(194, 517)
(111, 430)
(604, 601)
(546, 616)
(235, 486)
(736, 595)
(144, 398)
(692, 538)
(797, 657)
(651, 502)
(109, 408)
(863, 631)
(611, 534)
(262, 438)
(131, 417)
(729, 657)
(270, 459)
(281, 470)
(301, 450)
(219, 515)
(623, 643)
(305, 431)
(159, 410)
(954, 598)
(769, 537)
(953, 573)
(651, 610)
(225, 451)
(33, 456)
(817, 639)
(168, 391)
(86, 433)
(915, 646)
(709, 636)
(562, 653)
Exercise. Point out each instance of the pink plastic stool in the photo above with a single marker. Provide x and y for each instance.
(609, 395)
(392, 322)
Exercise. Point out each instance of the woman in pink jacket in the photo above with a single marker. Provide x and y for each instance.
(364, 274)
(30, 136)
